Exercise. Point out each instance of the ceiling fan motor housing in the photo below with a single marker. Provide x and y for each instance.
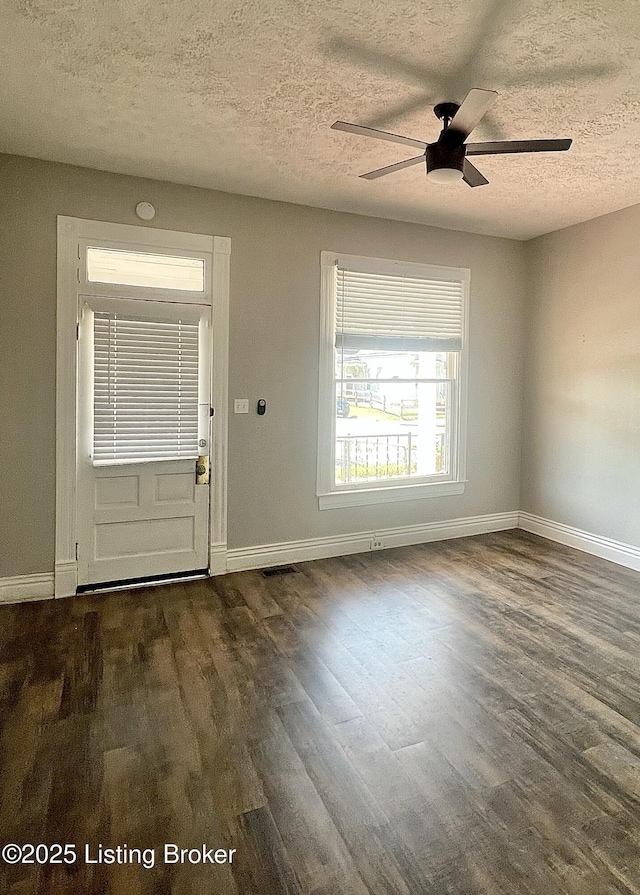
(442, 158)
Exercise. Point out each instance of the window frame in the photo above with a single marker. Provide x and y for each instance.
(146, 293)
(329, 494)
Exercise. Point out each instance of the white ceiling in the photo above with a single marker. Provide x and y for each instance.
(240, 96)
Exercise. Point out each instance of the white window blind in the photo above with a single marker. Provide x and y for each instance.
(145, 389)
(396, 312)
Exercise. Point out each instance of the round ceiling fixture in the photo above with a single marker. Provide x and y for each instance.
(444, 175)
(145, 211)
(445, 164)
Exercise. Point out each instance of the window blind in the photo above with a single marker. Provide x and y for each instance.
(395, 312)
(145, 389)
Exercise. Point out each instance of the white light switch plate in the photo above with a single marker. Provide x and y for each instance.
(241, 405)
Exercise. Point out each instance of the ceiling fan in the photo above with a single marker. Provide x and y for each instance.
(446, 159)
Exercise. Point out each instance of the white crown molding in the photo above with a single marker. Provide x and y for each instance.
(22, 588)
(606, 548)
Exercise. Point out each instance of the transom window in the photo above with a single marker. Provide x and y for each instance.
(392, 380)
(127, 268)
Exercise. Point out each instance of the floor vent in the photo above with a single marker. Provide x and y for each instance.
(278, 570)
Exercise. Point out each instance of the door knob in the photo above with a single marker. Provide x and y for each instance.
(202, 470)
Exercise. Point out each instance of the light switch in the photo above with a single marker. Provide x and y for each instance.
(241, 405)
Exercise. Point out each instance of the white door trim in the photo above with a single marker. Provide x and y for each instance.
(70, 231)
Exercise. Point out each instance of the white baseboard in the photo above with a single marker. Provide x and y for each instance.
(606, 548)
(443, 531)
(360, 542)
(41, 586)
(21, 588)
(245, 558)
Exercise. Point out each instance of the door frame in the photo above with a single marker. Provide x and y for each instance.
(70, 232)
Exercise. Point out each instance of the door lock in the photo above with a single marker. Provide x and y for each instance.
(202, 470)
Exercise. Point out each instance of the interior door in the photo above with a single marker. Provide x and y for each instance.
(143, 434)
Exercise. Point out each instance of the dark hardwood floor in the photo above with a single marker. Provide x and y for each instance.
(460, 717)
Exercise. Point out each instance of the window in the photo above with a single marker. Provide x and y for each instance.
(125, 268)
(145, 388)
(392, 382)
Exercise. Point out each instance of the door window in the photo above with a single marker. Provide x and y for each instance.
(145, 388)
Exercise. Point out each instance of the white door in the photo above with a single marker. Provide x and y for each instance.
(143, 422)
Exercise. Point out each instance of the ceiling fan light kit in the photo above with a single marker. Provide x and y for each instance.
(446, 158)
(445, 164)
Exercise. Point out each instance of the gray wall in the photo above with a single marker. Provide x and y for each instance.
(581, 438)
(275, 286)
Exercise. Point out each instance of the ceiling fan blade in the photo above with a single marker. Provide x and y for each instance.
(474, 106)
(390, 169)
(504, 146)
(472, 176)
(363, 131)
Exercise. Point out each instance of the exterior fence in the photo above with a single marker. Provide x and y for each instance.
(361, 457)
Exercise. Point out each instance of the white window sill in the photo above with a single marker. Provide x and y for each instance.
(365, 496)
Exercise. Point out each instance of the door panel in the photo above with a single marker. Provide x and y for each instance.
(121, 491)
(176, 487)
(150, 518)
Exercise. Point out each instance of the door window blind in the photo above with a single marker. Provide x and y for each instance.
(396, 312)
(145, 389)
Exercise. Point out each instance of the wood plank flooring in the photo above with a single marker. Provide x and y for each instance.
(460, 717)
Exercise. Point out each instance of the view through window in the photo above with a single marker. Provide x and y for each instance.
(392, 411)
(396, 343)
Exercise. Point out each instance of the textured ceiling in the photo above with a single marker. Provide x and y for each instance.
(240, 96)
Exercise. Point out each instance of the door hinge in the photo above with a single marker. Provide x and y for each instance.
(76, 551)
(77, 331)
